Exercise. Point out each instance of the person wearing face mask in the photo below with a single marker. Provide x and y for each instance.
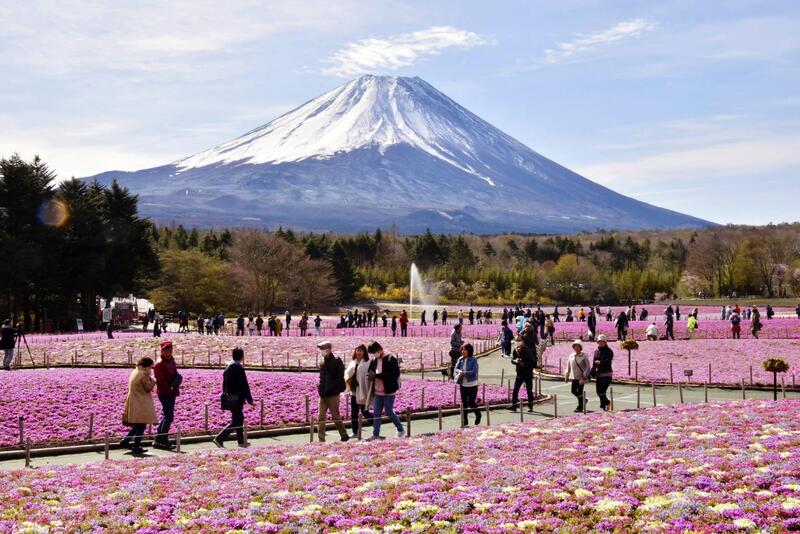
(384, 374)
(331, 385)
(358, 384)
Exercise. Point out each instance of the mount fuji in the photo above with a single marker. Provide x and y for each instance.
(381, 151)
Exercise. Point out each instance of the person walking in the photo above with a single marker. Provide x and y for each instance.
(736, 325)
(259, 324)
(524, 359)
(622, 325)
(168, 382)
(422, 321)
(235, 386)
(8, 339)
(591, 324)
(139, 409)
(550, 330)
(507, 337)
(455, 347)
(755, 325)
(601, 369)
(355, 377)
(578, 371)
(436, 316)
(403, 324)
(466, 371)
(669, 324)
(318, 325)
(384, 375)
(444, 316)
(330, 387)
(251, 325)
(303, 325)
(394, 326)
(691, 325)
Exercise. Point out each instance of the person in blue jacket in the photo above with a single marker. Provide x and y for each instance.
(466, 376)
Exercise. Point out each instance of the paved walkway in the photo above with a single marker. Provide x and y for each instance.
(492, 367)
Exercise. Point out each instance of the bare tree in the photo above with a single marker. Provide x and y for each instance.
(261, 263)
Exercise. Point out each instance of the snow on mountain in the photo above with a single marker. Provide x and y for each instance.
(371, 111)
(397, 146)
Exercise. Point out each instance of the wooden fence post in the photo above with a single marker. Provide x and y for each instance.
(309, 422)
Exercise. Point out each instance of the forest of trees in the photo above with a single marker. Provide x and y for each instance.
(65, 245)
(602, 267)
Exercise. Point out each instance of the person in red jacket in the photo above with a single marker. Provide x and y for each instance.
(168, 382)
(403, 324)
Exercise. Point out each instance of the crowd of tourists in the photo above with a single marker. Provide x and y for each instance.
(371, 379)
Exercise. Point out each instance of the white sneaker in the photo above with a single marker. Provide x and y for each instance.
(373, 438)
(401, 434)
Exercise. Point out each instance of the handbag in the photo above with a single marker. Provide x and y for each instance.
(228, 401)
(177, 381)
(460, 379)
(593, 373)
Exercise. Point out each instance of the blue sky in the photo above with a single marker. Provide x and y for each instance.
(693, 106)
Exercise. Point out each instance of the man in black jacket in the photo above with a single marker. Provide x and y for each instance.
(592, 324)
(234, 382)
(524, 358)
(384, 373)
(601, 365)
(7, 342)
(331, 385)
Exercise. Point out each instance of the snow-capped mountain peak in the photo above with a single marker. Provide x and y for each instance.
(377, 151)
(370, 111)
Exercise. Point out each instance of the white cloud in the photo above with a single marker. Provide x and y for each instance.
(394, 52)
(586, 43)
(695, 165)
(184, 35)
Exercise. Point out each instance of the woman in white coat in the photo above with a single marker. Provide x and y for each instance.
(358, 385)
(578, 371)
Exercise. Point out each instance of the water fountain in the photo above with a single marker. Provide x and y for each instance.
(415, 285)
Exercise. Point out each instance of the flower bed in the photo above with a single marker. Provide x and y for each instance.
(728, 467)
(730, 359)
(215, 350)
(56, 404)
(709, 329)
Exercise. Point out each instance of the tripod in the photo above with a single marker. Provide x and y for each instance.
(21, 339)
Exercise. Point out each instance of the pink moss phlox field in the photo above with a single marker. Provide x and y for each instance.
(730, 359)
(729, 467)
(56, 404)
(784, 328)
(201, 350)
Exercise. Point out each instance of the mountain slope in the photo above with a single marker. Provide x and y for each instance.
(378, 151)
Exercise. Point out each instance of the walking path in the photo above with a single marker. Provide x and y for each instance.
(492, 368)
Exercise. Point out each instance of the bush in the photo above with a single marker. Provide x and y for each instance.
(776, 365)
(629, 344)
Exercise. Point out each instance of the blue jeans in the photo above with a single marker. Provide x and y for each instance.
(167, 416)
(379, 404)
(8, 359)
